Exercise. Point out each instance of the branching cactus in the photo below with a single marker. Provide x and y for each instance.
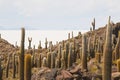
(70, 61)
(84, 53)
(53, 59)
(22, 54)
(46, 42)
(29, 40)
(1, 70)
(93, 24)
(107, 54)
(49, 59)
(28, 67)
(14, 66)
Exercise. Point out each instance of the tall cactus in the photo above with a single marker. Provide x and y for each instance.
(1, 71)
(66, 53)
(70, 57)
(59, 55)
(72, 35)
(107, 54)
(29, 40)
(14, 66)
(27, 67)
(22, 54)
(93, 24)
(46, 42)
(39, 46)
(7, 66)
(53, 60)
(68, 35)
(44, 62)
(49, 59)
(84, 52)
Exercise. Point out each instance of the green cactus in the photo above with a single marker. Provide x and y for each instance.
(70, 61)
(22, 54)
(49, 59)
(29, 40)
(107, 54)
(53, 59)
(27, 67)
(1, 70)
(84, 52)
(14, 66)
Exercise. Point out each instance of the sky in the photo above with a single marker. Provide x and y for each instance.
(57, 14)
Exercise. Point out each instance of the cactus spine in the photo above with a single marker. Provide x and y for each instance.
(22, 54)
(49, 59)
(14, 66)
(27, 67)
(84, 52)
(107, 55)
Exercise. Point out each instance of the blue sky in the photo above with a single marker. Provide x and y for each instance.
(57, 14)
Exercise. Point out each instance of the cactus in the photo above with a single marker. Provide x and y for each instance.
(84, 52)
(107, 54)
(44, 62)
(7, 67)
(117, 47)
(57, 63)
(46, 42)
(22, 54)
(63, 43)
(72, 35)
(98, 57)
(118, 65)
(27, 67)
(93, 24)
(14, 66)
(63, 60)
(53, 60)
(49, 59)
(39, 46)
(39, 61)
(66, 53)
(50, 46)
(1, 71)
(0, 36)
(70, 57)
(29, 40)
(33, 50)
(68, 36)
(59, 55)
